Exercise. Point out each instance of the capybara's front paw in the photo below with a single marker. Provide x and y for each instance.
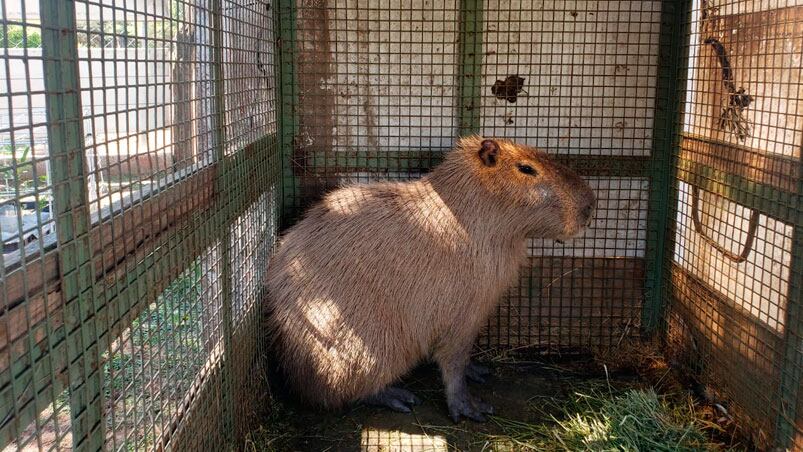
(397, 399)
(464, 405)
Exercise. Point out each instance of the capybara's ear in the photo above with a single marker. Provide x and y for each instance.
(489, 151)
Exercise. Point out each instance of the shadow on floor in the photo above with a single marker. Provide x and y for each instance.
(523, 391)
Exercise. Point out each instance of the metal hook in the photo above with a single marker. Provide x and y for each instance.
(698, 227)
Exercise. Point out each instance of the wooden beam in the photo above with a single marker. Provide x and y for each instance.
(142, 221)
(322, 164)
(28, 281)
(778, 204)
(777, 171)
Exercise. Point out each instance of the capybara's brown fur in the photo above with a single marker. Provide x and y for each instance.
(378, 277)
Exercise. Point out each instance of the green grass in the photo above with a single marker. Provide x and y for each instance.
(596, 420)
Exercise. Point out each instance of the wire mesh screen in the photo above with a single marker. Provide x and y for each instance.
(588, 74)
(735, 275)
(377, 88)
(385, 88)
(140, 202)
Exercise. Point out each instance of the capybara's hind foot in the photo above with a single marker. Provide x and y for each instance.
(464, 405)
(397, 399)
(477, 373)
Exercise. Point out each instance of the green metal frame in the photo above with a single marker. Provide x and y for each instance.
(425, 159)
(227, 213)
(470, 70)
(792, 367)
(66, 147)
(663, 184)
(285, 16)
(769, 200)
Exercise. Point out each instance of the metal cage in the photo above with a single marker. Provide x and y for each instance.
(152, 150)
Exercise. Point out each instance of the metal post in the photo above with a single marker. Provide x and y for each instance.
(224, 219)
(792, 365)
(470, 72)
(69, 173)
(285, 15)
(663, 183)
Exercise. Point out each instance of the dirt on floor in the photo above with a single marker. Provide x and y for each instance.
(522, 391)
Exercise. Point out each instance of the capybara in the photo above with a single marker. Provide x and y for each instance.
(378, 277)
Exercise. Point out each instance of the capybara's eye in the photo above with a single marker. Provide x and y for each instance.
(526, 169)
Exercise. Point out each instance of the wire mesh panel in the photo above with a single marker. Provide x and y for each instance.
(377, 88)
(32, 414)
(150, 130)
(384, 89)
(577, 78)
(153, 364)
(572, 77)
(735, 273)
(249, 83)
(147, 88)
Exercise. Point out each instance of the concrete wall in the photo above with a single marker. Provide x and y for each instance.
(384, 76)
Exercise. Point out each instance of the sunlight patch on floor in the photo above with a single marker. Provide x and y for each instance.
(376, 440)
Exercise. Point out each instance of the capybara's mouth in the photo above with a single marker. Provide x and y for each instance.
(569, 235)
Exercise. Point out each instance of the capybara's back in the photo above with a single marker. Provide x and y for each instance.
(377, 277)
